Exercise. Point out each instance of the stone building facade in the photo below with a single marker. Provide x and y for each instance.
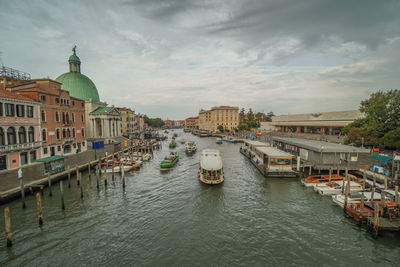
(226, 116)
(127, 121)
(20, 139)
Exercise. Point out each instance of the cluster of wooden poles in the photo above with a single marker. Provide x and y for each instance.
(140, 150)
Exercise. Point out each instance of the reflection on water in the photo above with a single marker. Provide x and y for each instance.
(173, 219)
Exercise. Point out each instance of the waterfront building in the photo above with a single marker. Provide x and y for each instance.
(323, 155)
(169, 123)
(20, 139)
(192, 123)
(103, 122)
(330, 123)
(140, 123)
(127, 121)
(226, 116)
(62, 117)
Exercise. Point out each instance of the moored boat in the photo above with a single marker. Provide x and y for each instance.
(211, 169)
(126, 168)
(311, 181)
(169, 161)
(219, 141)
(355, 198)
(336, 187)
(191, 147)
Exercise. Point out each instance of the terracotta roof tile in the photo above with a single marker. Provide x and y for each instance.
(8, 94)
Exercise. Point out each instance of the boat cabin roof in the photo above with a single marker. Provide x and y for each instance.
(273, 152)
(255, 143)
(210, 160)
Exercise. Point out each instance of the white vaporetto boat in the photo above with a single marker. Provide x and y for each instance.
(211, 169)
(191, 147)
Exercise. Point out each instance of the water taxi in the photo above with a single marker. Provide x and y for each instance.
(117, 169)
(169, 161)
(270, 161)
(191, 147)
(355, 198)
(312, 180)
(211, 170)
(336, 187)
(203, 133)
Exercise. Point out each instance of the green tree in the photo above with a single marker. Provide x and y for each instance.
(392, 139)
(250, 115)
(382, 112)
(241, 115)
(269, 116)
(243, 126)
(260, 116)
(220, 128)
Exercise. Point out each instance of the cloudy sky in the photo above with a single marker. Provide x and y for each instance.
(170, 58)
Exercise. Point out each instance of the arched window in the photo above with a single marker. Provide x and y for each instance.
(73, 117)
(57, 116)
(58, 134)
(2, 140)
(11, 138)
(63, 118)
(73, 132)
(44, 135)
(22, 135)
(68, 133)
(43, 115)
(64, 133)
(31, 134)
(83, 132)
(67, 117)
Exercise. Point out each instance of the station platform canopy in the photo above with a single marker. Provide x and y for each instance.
(381, 157)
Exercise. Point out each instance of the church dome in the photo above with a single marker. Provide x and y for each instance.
(78, 85)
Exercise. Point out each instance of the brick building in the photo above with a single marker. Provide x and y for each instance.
(62, 117)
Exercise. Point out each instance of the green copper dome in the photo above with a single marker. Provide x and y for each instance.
(78, 85)
(74, 58)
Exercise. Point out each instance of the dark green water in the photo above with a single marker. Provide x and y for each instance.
(171, 219)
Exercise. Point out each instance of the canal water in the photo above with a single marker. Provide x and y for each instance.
(171, 219)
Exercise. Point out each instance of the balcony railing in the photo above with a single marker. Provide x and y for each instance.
(7, 148)
(68, 140)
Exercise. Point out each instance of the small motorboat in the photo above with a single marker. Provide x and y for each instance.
(311, 181)
(219, 141)
(336, 187)
(355, 198)
(183, 142)
(117, 169)
(191, 147)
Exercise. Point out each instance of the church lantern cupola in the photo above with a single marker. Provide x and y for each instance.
(74, 62)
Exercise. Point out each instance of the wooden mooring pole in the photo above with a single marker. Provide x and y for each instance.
(361, 206)
(69, 177)
(62, 195)
(77, 175)
(396, 195)
(89, 170)
(376, 219)
(49, 182)
(80, 185)
(39, 208)
(7, 222)
(21, 183)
